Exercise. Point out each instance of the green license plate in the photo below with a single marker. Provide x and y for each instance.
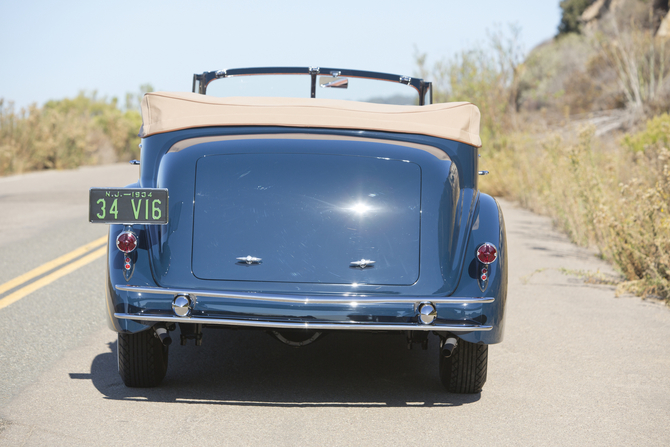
(128, 205)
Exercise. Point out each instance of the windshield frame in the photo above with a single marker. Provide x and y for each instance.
(422, 87)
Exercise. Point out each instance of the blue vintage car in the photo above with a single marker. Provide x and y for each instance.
(302, 216)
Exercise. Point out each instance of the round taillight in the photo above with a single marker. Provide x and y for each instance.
(487, 253)
(126, 241)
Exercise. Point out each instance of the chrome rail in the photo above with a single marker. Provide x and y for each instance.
(350, 299)
(466, 327)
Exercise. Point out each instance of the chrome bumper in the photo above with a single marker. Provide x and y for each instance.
(299, 299)
(322, 326)
(352, 301)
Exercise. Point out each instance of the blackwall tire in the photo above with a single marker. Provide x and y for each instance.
(142, 359)
(465, 371)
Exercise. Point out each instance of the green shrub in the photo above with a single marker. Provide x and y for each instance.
(571, 11)
(657, 131)
(66, 134)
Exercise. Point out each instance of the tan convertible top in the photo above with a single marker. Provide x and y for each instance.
(165, 112)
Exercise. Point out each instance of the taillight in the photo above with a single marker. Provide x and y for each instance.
(126, 241)
(487, 253)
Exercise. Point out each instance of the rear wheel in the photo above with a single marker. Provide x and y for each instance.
(465, 370)
(142, 359)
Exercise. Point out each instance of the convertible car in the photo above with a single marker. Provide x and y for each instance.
(303, 216)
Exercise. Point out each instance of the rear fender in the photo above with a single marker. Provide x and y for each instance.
(488, 226)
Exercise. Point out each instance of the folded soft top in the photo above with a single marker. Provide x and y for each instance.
(166, 112)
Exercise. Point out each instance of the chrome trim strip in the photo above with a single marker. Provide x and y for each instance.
(297, 299)
(308, 325)
(362, 263)
(249, 260)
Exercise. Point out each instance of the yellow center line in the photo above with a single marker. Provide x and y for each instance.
(51, 265)
(14, 297)
(69, 268)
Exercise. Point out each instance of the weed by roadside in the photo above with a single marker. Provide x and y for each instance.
(588, 276)
(615, 197)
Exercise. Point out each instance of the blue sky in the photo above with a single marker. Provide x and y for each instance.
(52, 50)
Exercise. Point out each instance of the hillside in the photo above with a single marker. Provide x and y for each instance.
(578, 129)
(608, 54)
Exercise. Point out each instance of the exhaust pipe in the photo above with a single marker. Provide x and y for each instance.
(163, 335)
(449, 346)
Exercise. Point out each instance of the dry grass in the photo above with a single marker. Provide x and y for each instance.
(66, 134)
(609, 193)
(612, 195)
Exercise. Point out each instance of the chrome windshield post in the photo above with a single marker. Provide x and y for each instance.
(313, 72)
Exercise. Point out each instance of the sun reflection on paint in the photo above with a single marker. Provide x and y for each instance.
(360, 208)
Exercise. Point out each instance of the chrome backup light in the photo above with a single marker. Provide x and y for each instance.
(487, 253)
(181, 306)
(427, 313)
(126, 241)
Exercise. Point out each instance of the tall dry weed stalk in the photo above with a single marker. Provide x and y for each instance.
(639, 60)
(484, 75)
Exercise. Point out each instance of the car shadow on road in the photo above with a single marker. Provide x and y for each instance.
(249, 368)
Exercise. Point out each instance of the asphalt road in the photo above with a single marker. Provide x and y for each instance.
(578, 366)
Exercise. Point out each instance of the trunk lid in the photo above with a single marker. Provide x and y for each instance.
(308, 217)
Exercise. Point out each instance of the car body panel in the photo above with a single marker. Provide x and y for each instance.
(454, 220)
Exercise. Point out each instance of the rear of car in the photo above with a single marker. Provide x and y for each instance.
(301, 217)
